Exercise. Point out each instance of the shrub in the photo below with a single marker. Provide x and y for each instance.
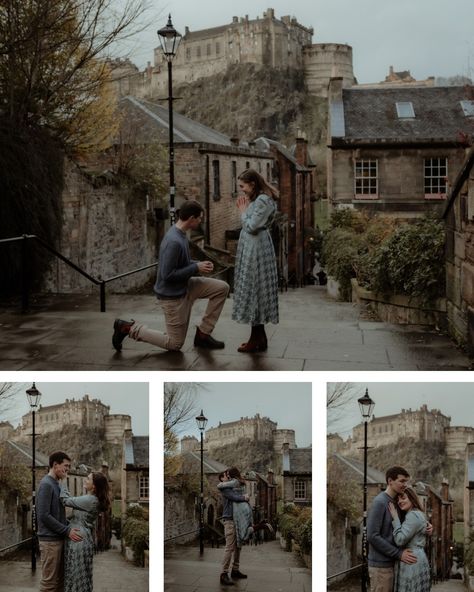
(341, 251)
(410, 262)
(296, 523)
(135, 532)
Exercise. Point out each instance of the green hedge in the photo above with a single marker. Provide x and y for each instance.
(135, 532)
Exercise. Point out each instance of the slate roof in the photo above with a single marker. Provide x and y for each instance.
(192, 463)
(145, 122)
(23, 452)
(137, 452)
(300, 460)
(357, 467)
(265, 143)
(371, 114)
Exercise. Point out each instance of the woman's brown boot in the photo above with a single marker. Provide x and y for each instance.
(257, 341)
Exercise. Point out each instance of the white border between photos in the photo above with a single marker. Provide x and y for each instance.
(156, 380)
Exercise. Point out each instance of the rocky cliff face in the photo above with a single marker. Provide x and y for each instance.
(248, 101)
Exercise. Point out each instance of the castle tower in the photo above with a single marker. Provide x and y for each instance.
(281, 437)
(189, 444)
(115, 426)
(323, 61)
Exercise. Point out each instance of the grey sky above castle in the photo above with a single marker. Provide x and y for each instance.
(453, 399)
(429, 39)
(122, 397)
(288, 404)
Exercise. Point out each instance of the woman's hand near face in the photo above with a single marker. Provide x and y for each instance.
(393, 510)
(243, 203)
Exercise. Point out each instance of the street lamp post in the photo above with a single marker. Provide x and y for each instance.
(201, 421)
(169, 41)
(366, 408)
(34, 397)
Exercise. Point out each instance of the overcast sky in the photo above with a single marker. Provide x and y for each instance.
(288, 404)
(455, 400)
(428, 38)
(123, 397)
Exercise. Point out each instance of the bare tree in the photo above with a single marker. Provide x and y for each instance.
(53, 72)
(8, 392)
(339, 396)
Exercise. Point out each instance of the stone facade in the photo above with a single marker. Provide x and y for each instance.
(268, 42)
(459, 217)
(106, 231)
(6, 430)
(457, 438)
(420, 424)
(135, 485)
(257, 428)
(85, 412)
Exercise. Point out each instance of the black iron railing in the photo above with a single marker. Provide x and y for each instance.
(346, 571)
(99, 281)
(25, 288)
(15, 545)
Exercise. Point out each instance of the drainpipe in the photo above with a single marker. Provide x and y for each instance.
(207, 203)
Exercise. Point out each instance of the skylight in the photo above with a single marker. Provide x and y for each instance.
(468, 108)
(405, 110)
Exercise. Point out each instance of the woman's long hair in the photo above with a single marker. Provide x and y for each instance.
(234, 473)
(411, 495)
(102, 490)
(260, 185)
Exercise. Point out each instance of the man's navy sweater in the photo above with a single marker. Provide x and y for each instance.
(175, 265)
(383, 552)
(52, 523)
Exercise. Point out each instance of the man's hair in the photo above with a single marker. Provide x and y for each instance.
(57, 457)
(234, 473)
(393, 472)
(190, 208)
(222, 475)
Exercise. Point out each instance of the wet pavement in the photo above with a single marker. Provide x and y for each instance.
(268, 567)
(314, 333)
(112, 573)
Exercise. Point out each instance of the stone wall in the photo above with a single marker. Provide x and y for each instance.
(341, 543)
(457, 438)
(460, 265)
(281, 437)
(13, 519)
(106, 231)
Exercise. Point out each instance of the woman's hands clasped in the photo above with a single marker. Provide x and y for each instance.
(243, 203)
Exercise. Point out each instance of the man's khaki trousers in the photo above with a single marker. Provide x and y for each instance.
(381, 579)
(52, 566)
(230, 547)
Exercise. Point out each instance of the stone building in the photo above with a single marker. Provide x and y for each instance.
(268, 42)
(395, 150)
(457, 438)
(420, 424)
(297, 475)
(135, 484)
(399, 79)
(257, 428)
(468, 512)
(6, 430)
(459, 216)
(85, 412)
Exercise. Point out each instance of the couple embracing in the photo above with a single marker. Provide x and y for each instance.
(67, 546)
(396, 532)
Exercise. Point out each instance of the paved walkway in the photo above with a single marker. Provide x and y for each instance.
(447, 586)
(315, 333)
(269, 569)
(111, 574)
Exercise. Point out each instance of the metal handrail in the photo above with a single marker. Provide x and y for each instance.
(346, 571)
(195, 531)
(97, 281)
(16, 545)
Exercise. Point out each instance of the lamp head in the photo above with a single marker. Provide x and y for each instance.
(34, 396)
(366, 405)
(201, 421)
(169, 40)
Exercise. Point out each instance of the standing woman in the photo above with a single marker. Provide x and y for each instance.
(411, 534)
(78, 556)
(256, 277)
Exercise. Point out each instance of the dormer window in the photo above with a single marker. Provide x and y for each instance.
(405, 110)
(468, 108)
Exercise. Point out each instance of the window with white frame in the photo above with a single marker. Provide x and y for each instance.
(233, 187)
(144, 487)
(435, 177)
(366, 178)
(300, 490)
